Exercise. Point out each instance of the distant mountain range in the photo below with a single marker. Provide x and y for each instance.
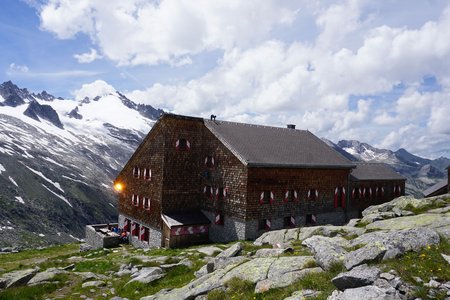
(420, 172)
(58, 158)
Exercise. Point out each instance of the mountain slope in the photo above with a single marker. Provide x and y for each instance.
(57, 167)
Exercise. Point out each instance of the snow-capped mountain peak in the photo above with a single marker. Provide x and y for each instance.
(59, 157)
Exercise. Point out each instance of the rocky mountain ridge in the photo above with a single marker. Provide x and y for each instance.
(58, 158)
(420, 173)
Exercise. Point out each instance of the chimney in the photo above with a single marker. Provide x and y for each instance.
(291, 126)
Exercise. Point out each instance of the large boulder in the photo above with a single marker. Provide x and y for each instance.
(359, 276)
(271, 238)
(369, 292)
(368, 253)
(231, 251)
(327, 251)
(285, 271)
(17, 278)
(329, 231)
(395, 242)
(147, 275)
(45, 276)
(272, 252)
(429, 220)
(209, 250)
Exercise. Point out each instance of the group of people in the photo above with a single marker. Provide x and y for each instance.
(122, 233)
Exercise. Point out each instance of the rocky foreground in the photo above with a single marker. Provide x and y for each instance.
(364, 257)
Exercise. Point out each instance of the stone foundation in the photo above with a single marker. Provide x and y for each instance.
(155, 235)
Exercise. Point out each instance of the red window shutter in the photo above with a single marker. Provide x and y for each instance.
(316, 193)
(272, 198)
(286, 196)
(261, 198)
(188, 145)
(268, 224)
(292, 221)
(295, 195)
(370, 192)
(336, 191)
(353, 193)
(343, 198)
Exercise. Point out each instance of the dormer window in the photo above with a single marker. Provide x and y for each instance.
(182, 145)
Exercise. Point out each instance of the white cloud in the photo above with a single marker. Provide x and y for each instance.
(13, 68)
(150, 32)
(88, 57)
(331, 54)
(94, 89)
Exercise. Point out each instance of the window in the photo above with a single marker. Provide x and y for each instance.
(340, 198)
(313, 194)
(135, 200)
(266, 197)
(221, 193)
(290, 196)
(219, 220)
(264, 224)
(208, 191)
(147, 174)
(136, 172)
(209, 162)
(310, 219)
(146, 203)
(397, 190)
(182, 145)
(289, 222)
(144, 233)
(134, 229)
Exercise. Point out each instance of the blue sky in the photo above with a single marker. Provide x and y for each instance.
(376, 71)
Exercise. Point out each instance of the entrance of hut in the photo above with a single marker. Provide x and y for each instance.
(185, 229)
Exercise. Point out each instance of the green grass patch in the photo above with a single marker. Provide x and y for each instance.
(28, 258)
(99, 266)
(30, 292)
(424, 264)
(425, 208)
(175, 277)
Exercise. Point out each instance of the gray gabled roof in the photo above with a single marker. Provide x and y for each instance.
(374, 171)
(265, 146)
(442, 185)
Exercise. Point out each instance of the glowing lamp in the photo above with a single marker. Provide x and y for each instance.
(118, 187)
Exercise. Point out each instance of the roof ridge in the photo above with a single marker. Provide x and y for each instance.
(258, 125)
